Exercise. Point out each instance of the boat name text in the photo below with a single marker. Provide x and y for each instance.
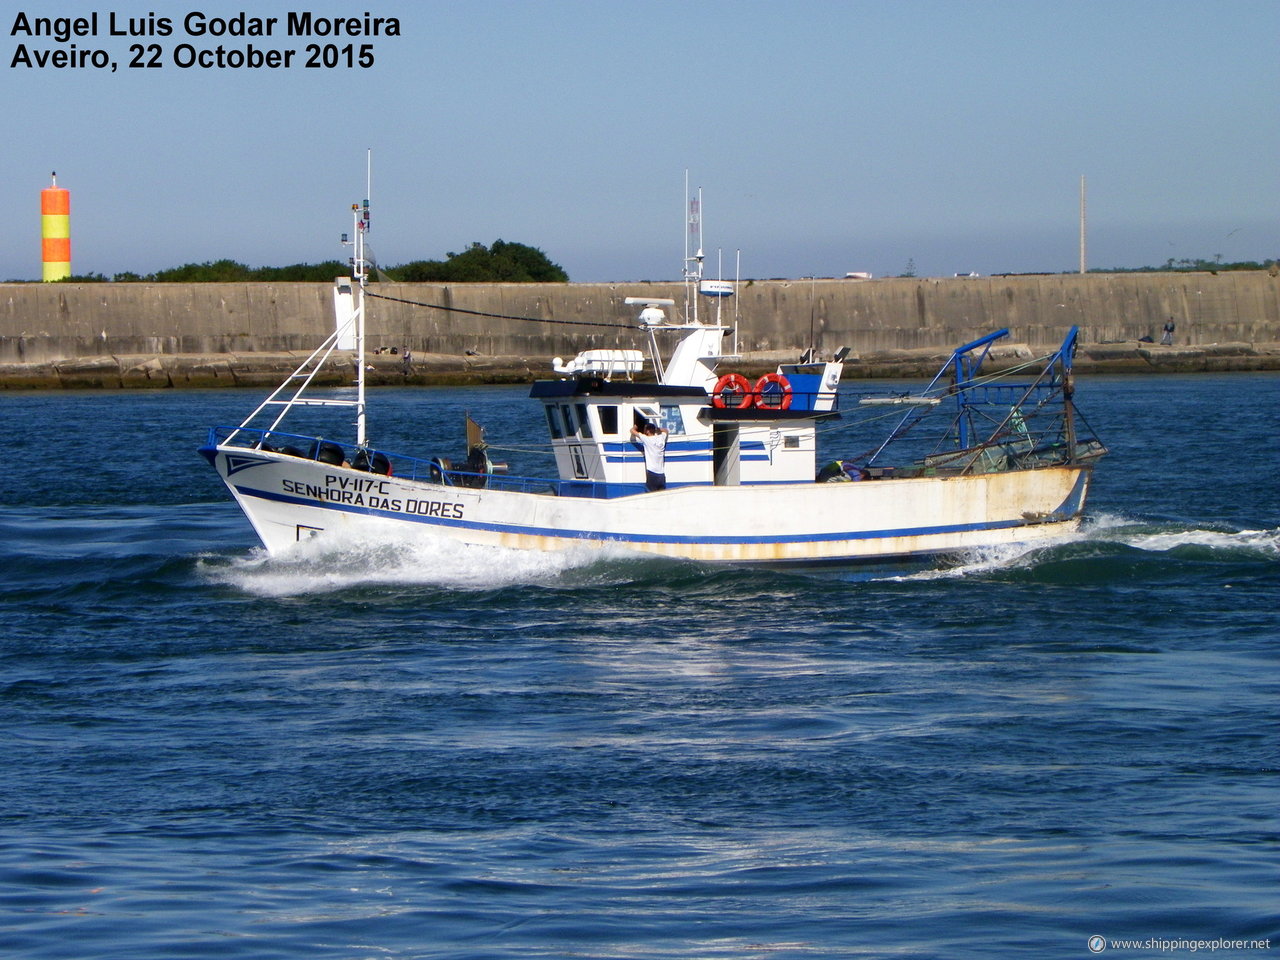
(202, 27)
(370, 493)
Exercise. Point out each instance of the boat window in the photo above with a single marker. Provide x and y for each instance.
(671, 420)
(583, 420)
(570, 425)
(579, 466)
(643, 414)
(608, 420)
(553, 422)
(791, 442)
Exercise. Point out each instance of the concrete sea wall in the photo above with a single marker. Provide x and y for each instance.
(233, 334)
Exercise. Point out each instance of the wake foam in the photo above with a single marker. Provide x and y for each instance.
(1262, 543)
(1104, 535)
(421, 560)
(427, 560)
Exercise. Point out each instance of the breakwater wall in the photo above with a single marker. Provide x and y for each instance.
(160, 334)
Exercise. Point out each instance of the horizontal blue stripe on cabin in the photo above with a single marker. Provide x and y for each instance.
(701, 458)
(672, 445)
(681, 446)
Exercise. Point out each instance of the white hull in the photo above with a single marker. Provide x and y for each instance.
(289, 499)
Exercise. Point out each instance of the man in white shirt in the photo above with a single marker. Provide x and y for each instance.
(653, 440)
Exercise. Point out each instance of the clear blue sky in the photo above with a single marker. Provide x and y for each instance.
(827, 136)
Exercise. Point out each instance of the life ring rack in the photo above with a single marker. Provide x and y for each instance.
(732, 391)
(773, 392)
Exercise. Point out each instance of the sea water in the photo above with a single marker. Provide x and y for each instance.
(378, 750)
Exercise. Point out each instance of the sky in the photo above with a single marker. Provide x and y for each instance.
(826, 136)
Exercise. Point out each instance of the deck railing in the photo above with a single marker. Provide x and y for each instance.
(399, 465)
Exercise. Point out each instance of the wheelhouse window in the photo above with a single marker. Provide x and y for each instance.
(584, 421)
(553, 422)
(608, 420)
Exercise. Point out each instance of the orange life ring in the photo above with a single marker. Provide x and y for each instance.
(773, 392)
(732, 390)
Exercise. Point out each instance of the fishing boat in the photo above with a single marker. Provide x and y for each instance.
(1009, 458)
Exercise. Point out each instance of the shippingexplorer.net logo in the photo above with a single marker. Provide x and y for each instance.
(1098, 944)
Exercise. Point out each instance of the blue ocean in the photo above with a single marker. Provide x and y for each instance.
(379, 751)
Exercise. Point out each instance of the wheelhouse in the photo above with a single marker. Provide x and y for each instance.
(715, 436)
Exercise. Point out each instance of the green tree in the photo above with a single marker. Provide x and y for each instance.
(218, 271)
(303, 272)
(528, 263)
(502, 262)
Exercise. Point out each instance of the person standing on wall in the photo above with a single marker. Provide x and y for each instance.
(653, 441)
(1167, 339)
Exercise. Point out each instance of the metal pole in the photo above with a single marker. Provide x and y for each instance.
(359, 227)
(1082, 225)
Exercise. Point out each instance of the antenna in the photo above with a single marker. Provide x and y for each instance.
(737, 280)
(688, 226)
(1082, 224)
(368, 188)
(813, 306)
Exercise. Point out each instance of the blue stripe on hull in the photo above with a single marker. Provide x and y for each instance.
(635, 538)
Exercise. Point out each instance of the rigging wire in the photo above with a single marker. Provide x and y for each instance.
(989, 378)
(942, 390)
(498, 316)
(819, 428)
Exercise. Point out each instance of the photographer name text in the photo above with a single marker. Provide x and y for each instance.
(198, 41)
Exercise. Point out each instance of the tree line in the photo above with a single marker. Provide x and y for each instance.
(1194, 265)
(506, 262)
(501, 262)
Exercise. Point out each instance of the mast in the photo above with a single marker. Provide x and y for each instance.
(361, 274)
(360, 225)
(349, 320)
(1065, 356)
(692, 262)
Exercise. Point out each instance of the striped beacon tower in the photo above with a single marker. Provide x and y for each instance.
(55, 231)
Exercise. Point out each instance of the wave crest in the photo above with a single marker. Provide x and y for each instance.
(1111, 538)
(320, 567)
